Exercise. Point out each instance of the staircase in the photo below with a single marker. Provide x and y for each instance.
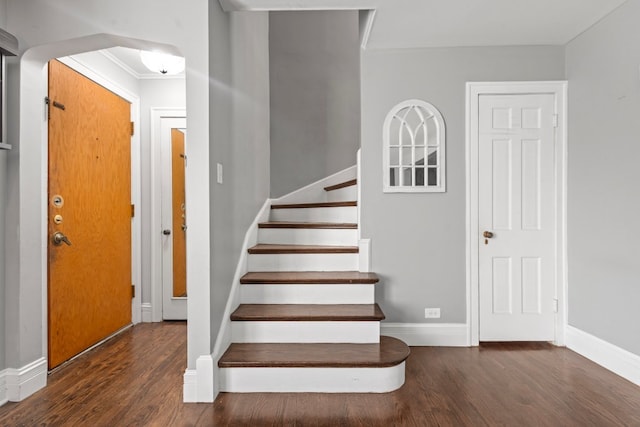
(307, 319)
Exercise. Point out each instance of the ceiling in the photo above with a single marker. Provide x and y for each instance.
(447, 23)
(129, 60)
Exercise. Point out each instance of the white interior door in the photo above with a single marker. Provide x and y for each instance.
(174, 306)
(516, 192)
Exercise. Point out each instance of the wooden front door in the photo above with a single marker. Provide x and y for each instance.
(89, 213)
(178, 157)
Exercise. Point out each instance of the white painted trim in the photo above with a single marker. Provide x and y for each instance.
(611, 357)
(315, 191)
(367, 17)
(276, 5)
(157, 114)
(428, 334)
(223, 339)
(307, 294)
(473, 91)
(364, 255)
(105, 81)
(147, 312)
(198, 384)
(312, 380)
(23, 382)
(3, 387)
(364, 332)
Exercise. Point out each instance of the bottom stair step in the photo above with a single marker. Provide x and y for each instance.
(389, 352)
(309, 368)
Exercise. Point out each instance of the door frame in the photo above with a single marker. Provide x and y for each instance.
(473, 91)
(154, 313)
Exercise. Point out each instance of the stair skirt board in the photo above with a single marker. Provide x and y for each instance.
(346, 193)
(312, 380)
(363, 332)
(309, 236)
(336, 214)
(307, 294)
(302, 262)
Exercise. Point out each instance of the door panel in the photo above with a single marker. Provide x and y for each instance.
(516, 205)
(173, 141)
(178, 157)
(89, 280)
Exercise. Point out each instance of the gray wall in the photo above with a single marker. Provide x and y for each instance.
(3, 199)
(603, 197)
(418, 240)
(239, 126)
(315, 96)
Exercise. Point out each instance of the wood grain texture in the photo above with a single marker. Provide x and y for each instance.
(264, 248)
(345, 184)
(315, 205)
(178, 204)
(135, 379)
(316, 225)
(308, 312)
(309, 277)
(89, 282)
(389, 352)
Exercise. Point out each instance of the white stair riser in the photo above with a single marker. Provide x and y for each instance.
(339, 214)
(343, 194)
(365, 332)
(307, 294)
(308, 236)
(302, 262)
(312, 380)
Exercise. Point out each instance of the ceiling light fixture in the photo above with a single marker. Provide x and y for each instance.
(162, 63)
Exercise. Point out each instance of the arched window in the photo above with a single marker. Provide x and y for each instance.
(414, 148)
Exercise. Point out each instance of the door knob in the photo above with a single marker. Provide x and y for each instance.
(59, 238)
(487, 234)
(166, 232)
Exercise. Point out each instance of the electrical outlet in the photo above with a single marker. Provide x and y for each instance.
(431, 313)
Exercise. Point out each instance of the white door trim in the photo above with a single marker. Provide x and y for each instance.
(157, 114)
(473, 91)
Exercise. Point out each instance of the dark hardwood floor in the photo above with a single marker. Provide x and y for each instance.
(136, 380)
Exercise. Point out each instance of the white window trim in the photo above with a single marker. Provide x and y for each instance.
(442, 161)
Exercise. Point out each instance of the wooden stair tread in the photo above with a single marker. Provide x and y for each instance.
(264, 248)
(349, 183)
(309, 277)
(389, 352)
(308, 312)
(318, 225)
(315, 205)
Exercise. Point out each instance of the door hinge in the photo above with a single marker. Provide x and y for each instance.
(554, 120)
(555, 305)
(133, 211)
(132, 128)
(133, 291)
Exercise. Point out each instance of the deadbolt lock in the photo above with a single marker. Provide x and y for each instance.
(57, 201)
(57, 219)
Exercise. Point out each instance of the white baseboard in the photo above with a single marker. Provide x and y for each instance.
(198, 385)
(428, 334)
(3, 387)
(605, 354)
(147, 312)
(23, 382)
